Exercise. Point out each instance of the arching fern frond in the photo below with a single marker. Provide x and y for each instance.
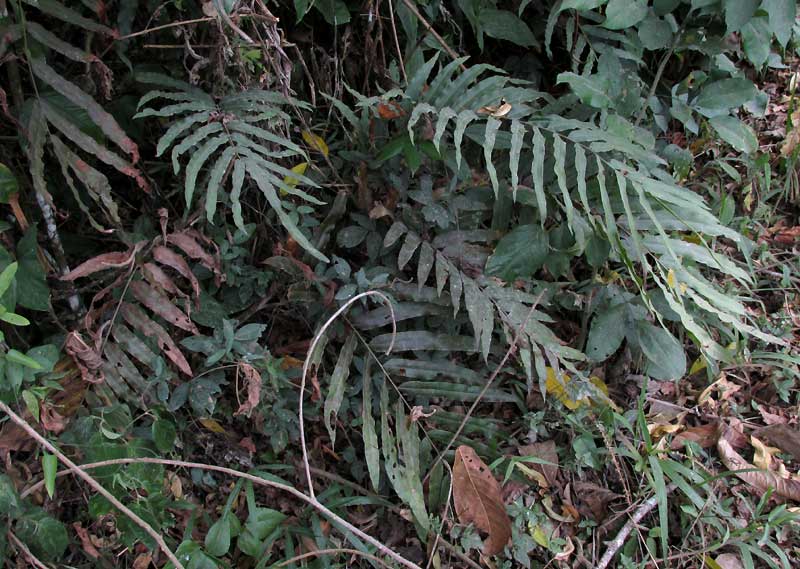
(236, 138)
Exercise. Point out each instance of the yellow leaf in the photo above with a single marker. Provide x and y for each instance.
(671, 280)
(316, 142)
(291, 181)
(539, 536)
(698, 365)
(763, 456)
(557, 387)
(710, 563)
(212, 425)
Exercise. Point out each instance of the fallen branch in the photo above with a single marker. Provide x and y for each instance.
(616, 544)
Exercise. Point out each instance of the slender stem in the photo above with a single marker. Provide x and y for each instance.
(450, 51)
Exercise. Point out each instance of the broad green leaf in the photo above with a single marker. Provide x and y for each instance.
(335, 12)
(23, 360)
(621, 14)
(655, 33)
(163, 432)
(504, 25)
(756, 38)
(591, 90)
(7, 277)
(32, 403)
(338, 384)
(218, 538)
(725, 94)
(665, 355)
(8, 184)
(736, 133)
(782, 14)
(45, 536)
(738, 13)
(58, 10)
(412, 241)
(462, 120)
(9, 499)
(31, 284)
(519, 254)
(606, 333)
(49, 470)
(260, 523)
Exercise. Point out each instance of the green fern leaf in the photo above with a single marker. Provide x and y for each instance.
(559, 153)
(197, 161)
(177, 96)
(456, 286)
(191, 141)
(215, 180)
(394, 233)
(177, 129)
(517, 138)
(441, 125)
(177, 109)
(408, 249)
(425, 264)
(55, 43)
(275, 203)
(244, 128)
(489, 136)
(418, 80)
(443, 79)
(463, 119)
(580, 173)
(333, 401)
(537, 173)
(611, 225)
(237, 181)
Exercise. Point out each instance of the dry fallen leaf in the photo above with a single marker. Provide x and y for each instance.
(704, 435)
(546, 451)
(792, 139)
(784, 437)
(760, 480)
(86, 542)
(729, 561)
(478, 500)
(253, 379)
(86, 358)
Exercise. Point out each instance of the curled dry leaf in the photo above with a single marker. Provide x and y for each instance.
(102, 262)
(253, 379)
(760, 480)
(170, 258)
(704, 435)
(86, 542)
(86, 357)
(187, 241)
(478, 500)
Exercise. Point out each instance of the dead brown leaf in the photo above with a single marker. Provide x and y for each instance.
(545, 451)
(792, 139)
(156, 276)
(478, 500)
(86, 542)
(143, 560)
(86, 358)
(162, 306)
(761, 480)
(596, 498)
(187, 241)
(704, 435)
(782, 436)
(253, 379)
(136, 317)
(102, 262)
(170, 258)
(729, 561)
(52, 421)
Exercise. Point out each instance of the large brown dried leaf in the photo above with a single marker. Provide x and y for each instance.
(156, 276)
(136, 317)
(102, 262)
(162, 306)
(761, 480)
(478, 500)
(704, 435)
(253, 379)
